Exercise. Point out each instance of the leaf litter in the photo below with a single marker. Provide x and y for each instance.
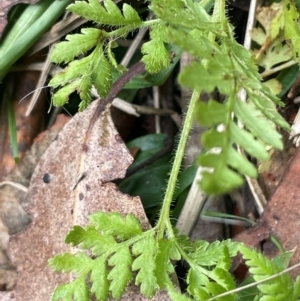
(80, 177)
(13, 217)
(70, 182)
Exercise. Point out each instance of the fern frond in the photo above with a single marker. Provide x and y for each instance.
(95, 69)
(121, 273)
(80, 75)
(115, 224)
(261, 267)
(106, 14)
(90, 238)
(62, 95)
(156, 56)
(204, 284)
(255, 122)
(76, 290)
(167, 251)
(146, 250)
(101, 74)
(296, 292)
(192, 15)
(206, 254)
(70, 73)
(79, 263)
(223, 166)
(98, 279)
(76, 45)
(291, 26)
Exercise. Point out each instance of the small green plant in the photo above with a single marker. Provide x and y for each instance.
(122, 252)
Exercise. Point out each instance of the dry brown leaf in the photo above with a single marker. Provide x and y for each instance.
(69, 183)
(5, 6)
(13, 217)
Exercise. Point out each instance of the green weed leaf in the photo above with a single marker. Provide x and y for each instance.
(197, 283)
(192, 15)
(96, 68)
(213, 78)
(62, 96)
(76, 290)
(146, 250)
(107, 14)
(176, 295)
(91, 70)
(121, 273)
(193, 42)
(70, 73)
(85, 92)
(206, 254)
(261, 267)
(296, 292)
(167, 251)
(291, 26)
(243, 138)
(220, 178)
(254, 121)
(121, 251)
(156, 56)
(112, 58)
(90, 238)
(100, 283)
(79, 263)
(204, 284)
(115, 224)
(76, 45)
(101, 74)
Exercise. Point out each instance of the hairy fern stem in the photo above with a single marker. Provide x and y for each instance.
(164, 222)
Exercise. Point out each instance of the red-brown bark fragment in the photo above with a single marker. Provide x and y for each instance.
(281, 217)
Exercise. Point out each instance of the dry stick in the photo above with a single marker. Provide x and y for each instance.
(134, 70)
(15, 185)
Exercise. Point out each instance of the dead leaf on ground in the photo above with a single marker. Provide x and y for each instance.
(281, 216)
(13, 217)
(68, 184)
(5, 6)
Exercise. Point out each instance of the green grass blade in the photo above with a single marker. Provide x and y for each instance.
(34, 21)
(12, 127)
